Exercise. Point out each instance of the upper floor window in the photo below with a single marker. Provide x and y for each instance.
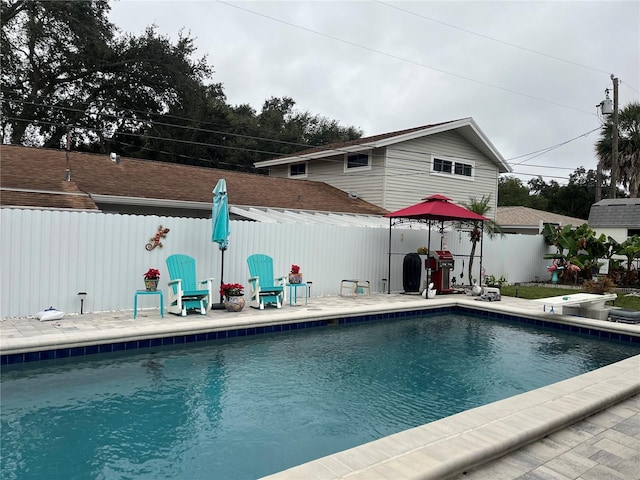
(298, 170)
(357, 160)
(440, 165)
(453, 167)
(463, 169)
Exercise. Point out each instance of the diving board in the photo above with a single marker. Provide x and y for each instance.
(581, 304)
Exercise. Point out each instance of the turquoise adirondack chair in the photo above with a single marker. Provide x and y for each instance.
(185, 293)
(264, 288)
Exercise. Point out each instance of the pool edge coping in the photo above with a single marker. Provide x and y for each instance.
(203, 325)
(461, 442)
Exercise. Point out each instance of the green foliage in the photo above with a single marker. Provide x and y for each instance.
(512, 192)
(578, 246)
(630, 249)
(493, 281)
(574, 199)
(628, 147)
(143, 96)
(491, 228)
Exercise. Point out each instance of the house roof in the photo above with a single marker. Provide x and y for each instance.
(525, 217)
(466, 127)
(615, 212)
(35, 177)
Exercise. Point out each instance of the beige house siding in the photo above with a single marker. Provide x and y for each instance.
(367, 184)
(401, 173)
(410, 177)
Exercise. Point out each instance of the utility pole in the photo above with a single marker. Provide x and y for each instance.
(599, 181)
(614, 143)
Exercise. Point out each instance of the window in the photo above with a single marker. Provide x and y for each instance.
(453, 167)
(440, 165)
(463, 169)
(357, 160)
(298, 170)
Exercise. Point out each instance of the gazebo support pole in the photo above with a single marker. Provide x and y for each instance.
(481, 248)
(389, 264)
(428, 254)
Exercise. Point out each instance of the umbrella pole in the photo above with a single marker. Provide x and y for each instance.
(220, 306)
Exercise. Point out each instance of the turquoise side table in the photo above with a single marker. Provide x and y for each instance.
(147, 292)
(293, 293)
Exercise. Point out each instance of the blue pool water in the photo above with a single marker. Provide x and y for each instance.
(244, 408)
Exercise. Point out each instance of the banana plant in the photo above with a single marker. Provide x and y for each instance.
(630, 249)
(579, 247)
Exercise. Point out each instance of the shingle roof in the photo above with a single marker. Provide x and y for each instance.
(525, 216)
(466, 127)
(360, 141)
(615, 212)
(36, 177)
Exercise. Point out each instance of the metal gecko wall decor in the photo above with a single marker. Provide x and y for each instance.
(155, 240)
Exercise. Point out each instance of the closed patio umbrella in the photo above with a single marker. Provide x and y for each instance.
(220, 223)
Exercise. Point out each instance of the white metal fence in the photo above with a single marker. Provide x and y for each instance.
(48, 257)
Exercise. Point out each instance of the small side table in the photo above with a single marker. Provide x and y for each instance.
(147, 292)
(293, 293)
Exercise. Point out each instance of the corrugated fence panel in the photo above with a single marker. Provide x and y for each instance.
(48, 257)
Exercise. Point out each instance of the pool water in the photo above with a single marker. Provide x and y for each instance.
(245, 408)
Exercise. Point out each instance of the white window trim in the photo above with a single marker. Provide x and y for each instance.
(306, 170)
(453, 161)
(357, 169)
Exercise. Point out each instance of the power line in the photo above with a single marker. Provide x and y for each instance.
(548, 149)
(226, 133)
(302, 145)
(405, 171)
(396, 57)
(493, 39)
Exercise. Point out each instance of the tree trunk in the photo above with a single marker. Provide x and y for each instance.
(471, 255)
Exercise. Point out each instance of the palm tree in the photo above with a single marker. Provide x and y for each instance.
(491, 228)
(628, 147)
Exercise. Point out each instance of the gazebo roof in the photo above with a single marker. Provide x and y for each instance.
(437, 207)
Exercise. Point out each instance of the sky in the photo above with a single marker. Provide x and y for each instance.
(531, 74)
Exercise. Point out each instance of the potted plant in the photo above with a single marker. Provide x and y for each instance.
(151, 279)
(295, 277)
(233, 296)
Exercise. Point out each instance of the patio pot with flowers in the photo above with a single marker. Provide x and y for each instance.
(233, 296)
(295, 277)
(151, 279)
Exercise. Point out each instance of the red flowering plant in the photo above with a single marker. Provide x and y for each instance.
(152, 274)
(231, 290)
(295, 269)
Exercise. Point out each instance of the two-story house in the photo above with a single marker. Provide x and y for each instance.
(397, 169)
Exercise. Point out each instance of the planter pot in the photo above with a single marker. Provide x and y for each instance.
(151, 285)
(234, 303)
(295, 278)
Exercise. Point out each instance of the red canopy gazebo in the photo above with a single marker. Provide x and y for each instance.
(435, 208)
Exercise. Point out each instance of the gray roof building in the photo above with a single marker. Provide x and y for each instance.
(616, 212)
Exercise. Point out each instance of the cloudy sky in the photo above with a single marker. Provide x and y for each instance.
(529, 73)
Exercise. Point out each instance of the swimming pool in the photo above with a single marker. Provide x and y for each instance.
(249, 407)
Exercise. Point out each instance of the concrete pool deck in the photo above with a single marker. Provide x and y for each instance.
(586, 427)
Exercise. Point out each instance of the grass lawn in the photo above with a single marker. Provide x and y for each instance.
(531, 293)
